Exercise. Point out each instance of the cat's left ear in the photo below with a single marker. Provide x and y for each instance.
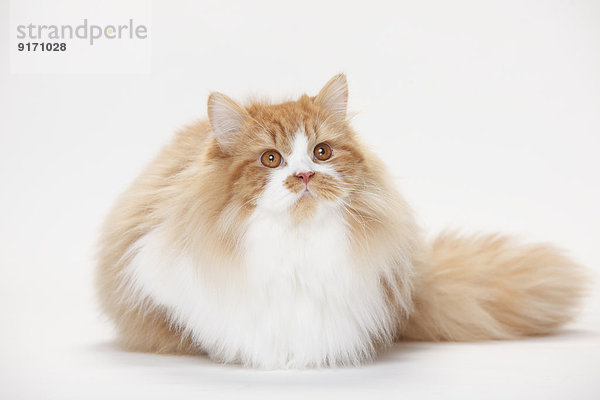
(226, 119)
(334, 96)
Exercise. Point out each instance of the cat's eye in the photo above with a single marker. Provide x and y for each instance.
(271, 159)
(323, 151)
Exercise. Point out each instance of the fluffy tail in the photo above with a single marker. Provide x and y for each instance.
(489, 287)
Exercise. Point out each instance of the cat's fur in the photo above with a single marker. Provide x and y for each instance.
(211, 252)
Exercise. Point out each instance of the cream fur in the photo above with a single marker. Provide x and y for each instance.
(297, 300)
(210, 251)
(485, 287)
(282, 309)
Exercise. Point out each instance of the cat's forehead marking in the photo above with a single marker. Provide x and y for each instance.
(299, 141)
(282, 122)
(299, 158)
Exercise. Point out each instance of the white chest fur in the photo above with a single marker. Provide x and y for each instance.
(298, 299)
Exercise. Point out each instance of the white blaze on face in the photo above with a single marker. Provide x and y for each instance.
(300, 160)
(276, 196)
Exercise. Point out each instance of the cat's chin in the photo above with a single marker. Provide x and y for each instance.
(305, 207)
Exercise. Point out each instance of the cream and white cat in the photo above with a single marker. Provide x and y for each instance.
(269, 235)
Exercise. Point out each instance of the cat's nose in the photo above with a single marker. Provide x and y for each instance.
(305, 176)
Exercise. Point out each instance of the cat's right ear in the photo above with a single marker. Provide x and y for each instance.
(226, 119)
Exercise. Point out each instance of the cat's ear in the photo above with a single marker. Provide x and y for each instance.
(334, 96)
(226, 119)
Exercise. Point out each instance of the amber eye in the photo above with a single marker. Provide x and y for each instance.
(270, 158)
(323, 151)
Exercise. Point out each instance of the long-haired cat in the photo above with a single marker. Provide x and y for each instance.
(269, 235)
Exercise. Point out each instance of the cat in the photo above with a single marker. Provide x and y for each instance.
(268, 235)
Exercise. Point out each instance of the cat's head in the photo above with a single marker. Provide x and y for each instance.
(291, 157)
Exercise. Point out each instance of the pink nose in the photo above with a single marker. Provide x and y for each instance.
(305, 176)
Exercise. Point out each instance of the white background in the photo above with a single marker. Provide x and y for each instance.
(488, 114)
